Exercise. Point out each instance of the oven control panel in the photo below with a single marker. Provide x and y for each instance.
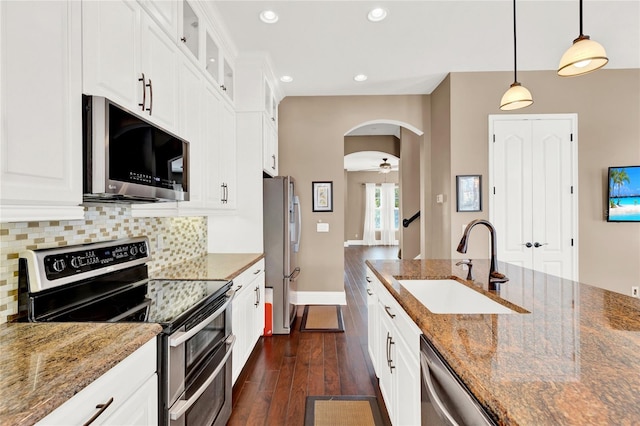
(83, 259)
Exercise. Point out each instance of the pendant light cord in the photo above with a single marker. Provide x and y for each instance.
(515, 61)
(581, 19)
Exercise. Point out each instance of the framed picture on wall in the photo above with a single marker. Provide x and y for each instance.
(322, 196)
(469, 193)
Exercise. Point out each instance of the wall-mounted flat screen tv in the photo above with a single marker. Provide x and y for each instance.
(624, 194)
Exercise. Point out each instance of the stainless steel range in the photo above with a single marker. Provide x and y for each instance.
(108, 282)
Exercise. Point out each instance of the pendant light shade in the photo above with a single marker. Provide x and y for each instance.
(585, 55)
(517, 96)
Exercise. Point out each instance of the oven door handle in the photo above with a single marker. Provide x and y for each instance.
(182, 336)
(181, 406)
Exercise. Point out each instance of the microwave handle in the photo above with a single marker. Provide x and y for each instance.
(182, 336)
(181, 406)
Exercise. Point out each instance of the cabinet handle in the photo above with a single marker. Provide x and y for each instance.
(387, 310)
(183, 39)
(150, 86)
(537, 244)
(274, 162)
(226, 193)
(388, 347)
(239, 287)
(369, 292)
(273, 119)
(101, 408)
(257, 271)
(391, 366)
(368, 279)
(144, 92)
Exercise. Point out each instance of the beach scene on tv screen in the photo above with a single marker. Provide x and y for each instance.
(624, 194)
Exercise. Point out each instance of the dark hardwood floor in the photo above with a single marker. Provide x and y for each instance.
(283, 370)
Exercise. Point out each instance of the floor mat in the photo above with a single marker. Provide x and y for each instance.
(325, 318)
(342, 411)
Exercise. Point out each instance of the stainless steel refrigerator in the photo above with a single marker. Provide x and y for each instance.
(281, 243)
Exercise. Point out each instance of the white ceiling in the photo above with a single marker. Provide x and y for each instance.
(368, 161)
(323, 44)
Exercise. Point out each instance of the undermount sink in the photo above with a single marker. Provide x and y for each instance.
(449, 296)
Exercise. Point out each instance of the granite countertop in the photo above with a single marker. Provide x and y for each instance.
(212, 266)
(42, 365)
(573, 357)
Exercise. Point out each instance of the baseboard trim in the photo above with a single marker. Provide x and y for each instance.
(361, 243)
(318, 297)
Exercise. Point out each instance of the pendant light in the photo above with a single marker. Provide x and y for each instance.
(517, 96)
(585, 55)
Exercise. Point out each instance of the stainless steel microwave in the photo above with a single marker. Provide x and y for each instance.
(128, 159)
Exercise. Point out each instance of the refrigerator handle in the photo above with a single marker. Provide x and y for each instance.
(296, 203)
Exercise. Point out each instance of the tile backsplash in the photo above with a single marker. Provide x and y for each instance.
(171, 239)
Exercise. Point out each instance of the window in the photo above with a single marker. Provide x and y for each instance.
(396, 209)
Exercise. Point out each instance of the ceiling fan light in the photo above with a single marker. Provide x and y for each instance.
(384, 166)
(516, 97)
(584, 55)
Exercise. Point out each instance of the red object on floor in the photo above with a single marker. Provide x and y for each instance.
(268, 319)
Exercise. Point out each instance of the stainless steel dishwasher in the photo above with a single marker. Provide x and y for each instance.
(445, 400)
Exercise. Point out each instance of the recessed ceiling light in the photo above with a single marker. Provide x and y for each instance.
(268, 17)
(377, 14)
(286, 79)
(360, 77)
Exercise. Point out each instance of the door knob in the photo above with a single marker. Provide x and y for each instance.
(537, 244)
(528, 244)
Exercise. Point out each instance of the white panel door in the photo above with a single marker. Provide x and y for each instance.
(533, 192)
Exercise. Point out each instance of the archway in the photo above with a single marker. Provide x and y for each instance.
(383, 138)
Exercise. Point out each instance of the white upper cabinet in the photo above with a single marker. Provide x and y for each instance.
(191, 98)
(41, 110)
(129, 59)
(160, 63)
(165, 13)
(220, 141)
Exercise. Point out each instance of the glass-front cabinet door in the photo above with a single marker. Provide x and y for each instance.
(190, 29)
(213, 58)
(228, 80)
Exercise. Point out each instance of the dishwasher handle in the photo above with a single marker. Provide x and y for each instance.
(437, 403)
(451, 400)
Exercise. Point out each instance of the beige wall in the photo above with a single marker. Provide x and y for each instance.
(354, 213)
(438, 232)
(455, 120)
(311, 147)
(409, 192)
(608, 106)
(382, 143)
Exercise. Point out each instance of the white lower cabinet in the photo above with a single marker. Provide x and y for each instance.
(126, 394)
(398, 360)
(247, 314)
(373, 319)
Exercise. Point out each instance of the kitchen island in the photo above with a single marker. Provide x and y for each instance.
(569, 355)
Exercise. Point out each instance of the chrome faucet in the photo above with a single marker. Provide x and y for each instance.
(495, 277)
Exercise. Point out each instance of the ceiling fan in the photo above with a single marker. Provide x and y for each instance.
(385, 167)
